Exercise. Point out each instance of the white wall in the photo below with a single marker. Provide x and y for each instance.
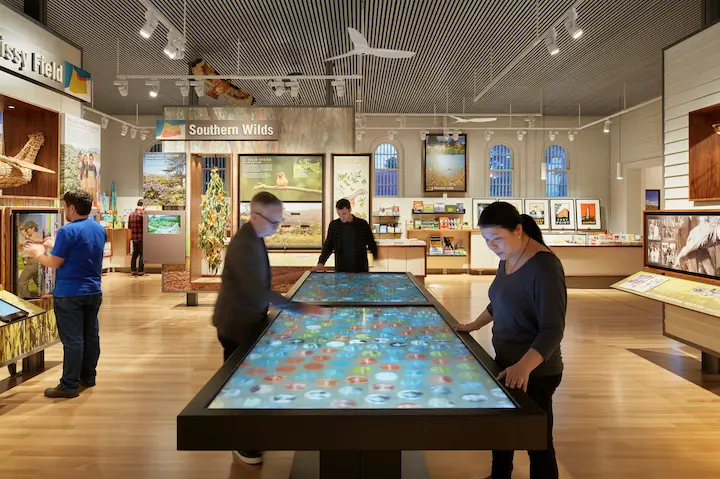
(122, 159)
(588, 155)
(692, 82)
(636, 142)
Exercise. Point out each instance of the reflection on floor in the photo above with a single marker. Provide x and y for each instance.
(632, 403)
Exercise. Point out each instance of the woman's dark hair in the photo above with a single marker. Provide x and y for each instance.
(504, 215)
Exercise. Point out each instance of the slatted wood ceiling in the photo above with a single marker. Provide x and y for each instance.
(460, 45)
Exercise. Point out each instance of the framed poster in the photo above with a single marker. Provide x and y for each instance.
(478, 205)
(290, 177)
(588, 214)
(652, 200)
(685, 243)
(538, 210)
(562, 214)
(164, 179)
(351, 176)
(445, 164)
(302, 226)
(30, 279)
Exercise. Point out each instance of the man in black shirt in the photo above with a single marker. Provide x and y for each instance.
(349, 237)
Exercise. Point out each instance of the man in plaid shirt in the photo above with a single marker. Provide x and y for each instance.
(135, 223)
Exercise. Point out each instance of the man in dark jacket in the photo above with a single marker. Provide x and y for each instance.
(349, 237)
(245, 293)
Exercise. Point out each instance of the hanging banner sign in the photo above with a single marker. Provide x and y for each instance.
(213, 130)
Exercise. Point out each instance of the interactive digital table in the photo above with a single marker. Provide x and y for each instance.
(383, 373)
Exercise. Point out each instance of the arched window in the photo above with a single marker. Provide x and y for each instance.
(386, 170)
(156, 148)
(501, 171)
(211, 162)
(557, 171)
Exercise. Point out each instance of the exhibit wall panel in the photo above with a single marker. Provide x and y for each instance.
(23, 90)
(691, 82)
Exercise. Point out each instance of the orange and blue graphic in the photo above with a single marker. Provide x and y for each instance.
(78, 82)
(166, 129)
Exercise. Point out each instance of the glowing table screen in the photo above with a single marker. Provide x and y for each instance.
(355, 288)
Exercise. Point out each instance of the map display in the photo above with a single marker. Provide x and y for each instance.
(361, 358)
(359, 288)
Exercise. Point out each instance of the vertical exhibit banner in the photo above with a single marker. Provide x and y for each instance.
(80, 156)
(164, 179)
(351, 180)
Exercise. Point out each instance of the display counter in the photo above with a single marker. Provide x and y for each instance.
(401, 256)
(26, 339)
(691, 311)
(389, 367)
(583, 255)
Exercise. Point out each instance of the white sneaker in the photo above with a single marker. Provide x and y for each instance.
(248, 457)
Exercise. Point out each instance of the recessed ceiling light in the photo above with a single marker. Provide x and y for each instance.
(11, 107)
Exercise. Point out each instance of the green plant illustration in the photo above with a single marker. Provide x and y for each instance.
(215, 215)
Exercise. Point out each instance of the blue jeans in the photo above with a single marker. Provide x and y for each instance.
(77, 321)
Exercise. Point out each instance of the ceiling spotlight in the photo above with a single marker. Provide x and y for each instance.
(184, 87)
(551, 42)
(619, 170)
(199, 87)
(521, 135)
(124, 130)
(531, 121)
(456, 135)
(339, 86)
(606, 128)
(151, 23)
(552, 135)
(571, 25)
(11, 107)
(716, 127)
(423, 134)
(446, 135)
(154, 87)
(488, 135)
(143, 135)
(104, 122)
(175, 48)
(571, 135)
(391, 135)
(294, 87)
(359, 135)
(403, 122)
(543, 171)
(122, 86)
(133, 133)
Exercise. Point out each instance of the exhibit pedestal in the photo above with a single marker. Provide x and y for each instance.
(191, 299)
(359, 465)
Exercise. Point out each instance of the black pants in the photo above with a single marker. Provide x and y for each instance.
(77, 322)
(543, 464)
(137, 252)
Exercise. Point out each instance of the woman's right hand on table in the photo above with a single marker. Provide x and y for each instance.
(464, 328)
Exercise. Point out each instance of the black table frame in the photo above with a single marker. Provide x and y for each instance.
(357, 431)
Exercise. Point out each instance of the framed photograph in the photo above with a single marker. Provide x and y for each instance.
(538, 210)
(652, 200)
(683, 243)
(302, 226)
(478, 205)
(562, 214)
(445, 163)
(30, 279)
(588, 214)
(351, 176)
(290, 177)
(164, 179)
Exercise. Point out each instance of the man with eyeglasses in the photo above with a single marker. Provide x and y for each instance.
(245, 294)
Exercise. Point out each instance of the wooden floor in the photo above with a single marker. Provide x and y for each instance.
(632, 403)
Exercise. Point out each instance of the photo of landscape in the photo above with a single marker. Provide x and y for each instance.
(301, 227)
(445, 163)
(163, 224)
(164, 179)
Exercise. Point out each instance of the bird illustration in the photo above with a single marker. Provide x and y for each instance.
(282, 180)
(17, 170)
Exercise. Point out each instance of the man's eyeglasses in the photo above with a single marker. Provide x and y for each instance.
(274, 223)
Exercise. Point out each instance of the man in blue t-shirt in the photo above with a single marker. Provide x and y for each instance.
(77, 256)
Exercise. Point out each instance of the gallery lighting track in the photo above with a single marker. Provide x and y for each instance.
(175, 48)
(124, 125)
